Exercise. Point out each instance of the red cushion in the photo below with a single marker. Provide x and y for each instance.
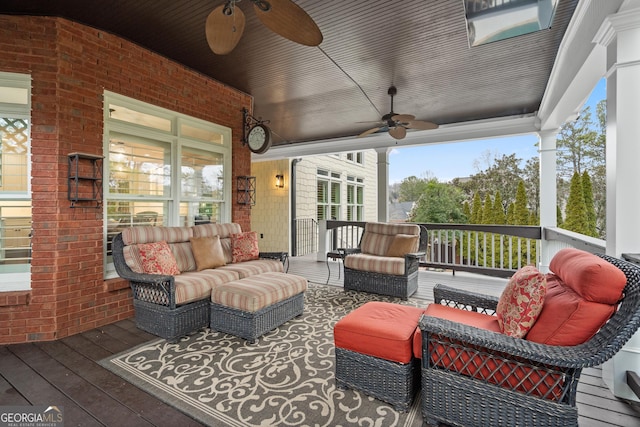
(244, 246)
(521, 301)
(567, 318)
(157, 258)
(588, 275)
(379, 329)
(473, 361)
(469, 318)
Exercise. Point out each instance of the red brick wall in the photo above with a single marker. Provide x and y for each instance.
(71, 65)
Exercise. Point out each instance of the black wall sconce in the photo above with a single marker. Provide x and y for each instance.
(279, 181)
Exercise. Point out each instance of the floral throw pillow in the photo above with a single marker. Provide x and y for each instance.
(521, 301)
(157, 258)
(244, 246)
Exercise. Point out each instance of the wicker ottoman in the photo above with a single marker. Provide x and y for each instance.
(374, 352)
(250, 307)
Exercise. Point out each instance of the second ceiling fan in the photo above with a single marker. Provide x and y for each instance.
(397, 124)
(225, 24)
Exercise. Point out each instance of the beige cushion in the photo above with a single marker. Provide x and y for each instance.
(402, 244)
(208, 252)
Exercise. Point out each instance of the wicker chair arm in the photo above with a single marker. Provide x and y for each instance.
(416, 255)
(465, 300)
(520, 349)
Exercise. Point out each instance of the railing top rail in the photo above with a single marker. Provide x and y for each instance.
(331, 224)
(525, 231)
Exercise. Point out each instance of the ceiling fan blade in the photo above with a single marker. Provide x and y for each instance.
(403, 118)
(368, 132)
(419, 124)
(288, 20)
(224, 31)
(398, 132)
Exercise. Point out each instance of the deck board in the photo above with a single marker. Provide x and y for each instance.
(66, 371)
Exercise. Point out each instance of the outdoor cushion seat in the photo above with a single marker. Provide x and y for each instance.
(250, 307)
(387, 259)
(198, 284)
(254, 267)
(374, 352)
(172, 271)
(469, 373)
(376, 264)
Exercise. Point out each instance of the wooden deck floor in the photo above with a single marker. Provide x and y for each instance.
(66, 372)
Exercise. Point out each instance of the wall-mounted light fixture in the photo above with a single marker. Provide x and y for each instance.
(279, 181)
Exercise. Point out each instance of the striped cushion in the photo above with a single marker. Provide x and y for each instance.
(146, 234)
(256, 292)
(375, 264)
(258, 266)
(197, 285)
(222, 230)
(132, 258)
(184, 256)
(378, 236)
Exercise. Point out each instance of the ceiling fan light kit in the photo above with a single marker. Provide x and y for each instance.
(397, 124)
(225, 24)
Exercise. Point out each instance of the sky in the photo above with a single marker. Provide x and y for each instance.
(462, 159)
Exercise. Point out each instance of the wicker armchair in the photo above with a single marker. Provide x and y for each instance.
(498, 398)
(368, 268)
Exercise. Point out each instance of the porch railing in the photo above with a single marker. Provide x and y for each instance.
(495, 250)
(306, 236)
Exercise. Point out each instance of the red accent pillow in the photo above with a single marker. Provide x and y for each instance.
(157, 258)
(521, 301)
(567, 318)
(589, 275)
(244, 246)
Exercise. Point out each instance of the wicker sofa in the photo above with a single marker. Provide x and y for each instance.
(387, 259)
(473, 375)
(172, 305)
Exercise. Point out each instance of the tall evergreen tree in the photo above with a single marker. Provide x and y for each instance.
(476, 210)
(587, 190)
(576, 211)
(558, 216)
(499, 216)
(521, 212)
(487, 210)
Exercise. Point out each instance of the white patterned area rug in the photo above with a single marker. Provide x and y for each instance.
(285, 379)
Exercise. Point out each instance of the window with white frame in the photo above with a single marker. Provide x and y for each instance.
(328, 195)
(15, 190)
(355, 199)
(163, 169)
(356, 157)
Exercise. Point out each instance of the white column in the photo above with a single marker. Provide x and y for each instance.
(548, 190)
(383, 184)
(620, 34)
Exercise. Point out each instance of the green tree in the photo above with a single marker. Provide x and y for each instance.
(487, 210)
(559, 216)
(520, 210)
(476, 210)
(439, 203)
(587, 191)
(576, 211)
(499, 216)
(411, 188)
